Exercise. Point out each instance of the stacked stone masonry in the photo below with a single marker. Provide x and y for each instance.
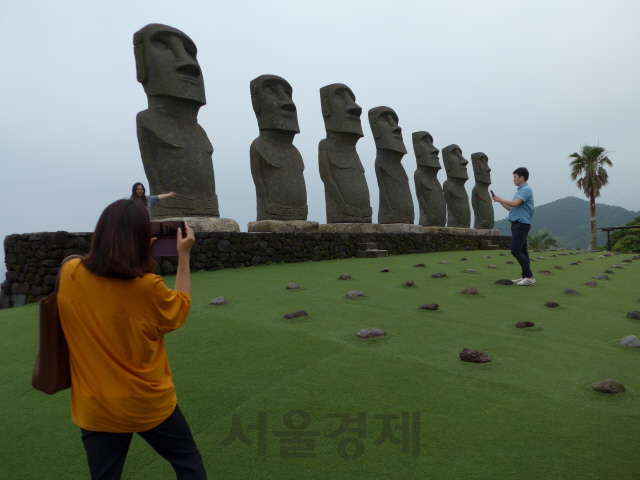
(33, 259)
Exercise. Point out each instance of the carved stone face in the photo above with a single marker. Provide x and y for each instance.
(454, 163)
(340, 110)
(385, 129)
(426, 153)
(166, 63)
(481, 169)
(271, 97)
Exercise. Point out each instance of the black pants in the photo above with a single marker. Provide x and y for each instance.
(172, 439)
(519, 232)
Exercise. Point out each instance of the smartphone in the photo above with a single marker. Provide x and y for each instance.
(166, 244)
(492, 194)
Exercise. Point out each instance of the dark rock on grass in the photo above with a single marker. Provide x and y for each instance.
(293, 286)
(579, 261)
(630, 341)
(504, 281)
(470, 270)
(591, 284)
(559, 267)
(509, 262)
(525, 324)
(573, 263)
(345, 276)
(492, 266)
(355, 294)
(635, 315)
(419, 265)
(635, 258)
(531, 260)
(563, 254)
(602, 276)
(553, 255)
(296, 314)
(370, 332)
(470, 291)
(474, 356)
(429, 306)
(409, 283)
(463, 259)
(571, 291)
(609, 271)
(609, 385)
(384, 270)
(616, 266)
(486, 256)
(439, 275)
(218, 301)
(626, 260)
(503, 254)
(545, 272)
(590, 258)
(551, 304)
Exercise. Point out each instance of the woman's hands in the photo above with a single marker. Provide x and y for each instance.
(184, 244)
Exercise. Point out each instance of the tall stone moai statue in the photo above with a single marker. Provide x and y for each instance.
(396, 203)
(276, 164)
(458, 211)
(176, 152)
(481, 200)
(345, 186)
(433, 208)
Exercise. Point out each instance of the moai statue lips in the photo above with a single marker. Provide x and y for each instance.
(271, 97)
(426, 153)
(433, 208)
(481, 170)
(386, 131)
(454, 163)
(339, 108)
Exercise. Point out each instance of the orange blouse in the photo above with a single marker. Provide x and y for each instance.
(120, 375)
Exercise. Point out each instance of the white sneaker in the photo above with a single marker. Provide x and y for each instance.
(526, 281)
(518, 280)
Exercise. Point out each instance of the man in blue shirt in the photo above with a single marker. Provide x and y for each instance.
(520, 216)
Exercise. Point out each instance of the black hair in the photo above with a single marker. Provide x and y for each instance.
(522, 172)
(134, 195)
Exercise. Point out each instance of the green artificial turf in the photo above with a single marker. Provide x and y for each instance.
(529, 414)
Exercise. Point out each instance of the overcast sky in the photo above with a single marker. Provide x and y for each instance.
(527, 83)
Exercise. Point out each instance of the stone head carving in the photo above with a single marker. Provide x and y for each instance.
(271, 97)
(454, 163)
(339, 108)
(481, 169)
(166, 63)
(385, 129)
(426, 153)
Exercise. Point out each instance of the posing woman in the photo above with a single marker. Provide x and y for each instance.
(114, 313)
(138, 192)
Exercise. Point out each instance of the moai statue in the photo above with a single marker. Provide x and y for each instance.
(480, 198)
(276, 164)
(396, 203)
(458, 211)
(433, 208)
(345, 186)
(175, 150)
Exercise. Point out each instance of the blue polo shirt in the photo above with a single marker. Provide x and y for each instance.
(523, 213)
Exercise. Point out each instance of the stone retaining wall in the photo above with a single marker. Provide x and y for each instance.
(33, 259)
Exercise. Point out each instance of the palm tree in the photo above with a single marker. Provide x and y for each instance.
(542, 240)
(587, 170)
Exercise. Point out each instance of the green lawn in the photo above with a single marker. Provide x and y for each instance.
(529, 414)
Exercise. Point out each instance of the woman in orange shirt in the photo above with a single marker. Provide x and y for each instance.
(115, 312)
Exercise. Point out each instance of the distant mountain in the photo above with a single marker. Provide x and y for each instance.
(569, 219)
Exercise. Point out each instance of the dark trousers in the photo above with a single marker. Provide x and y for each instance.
(519, 232)
(172, 439)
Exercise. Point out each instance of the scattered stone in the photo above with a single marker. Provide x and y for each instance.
(609, 271)
(486, 256)
(503, 254)
(345, 276)
(293, 286)
(525, 324)
(510, 262)
(504, 281)
(616, 266)
(444, 262)
(429, 306)
(384, 270)
(551, 304)
(626, 260)
(579, 261)
(409, 283)
(601, 256)
(469, 270)
(562, 254)
(553, 255)
(590, 258)
(492, 266)
(559, 267)
(296, 314)
(602, 276)
(355, 294)
(463, 259)
(370, 332)
(573, 263)
(218, 301)
(439, 275)
(591, 284)
(635, 315)
(541, 258)
(474, 356)
(531, 260)
(609, 385)
(635, 258)
(419, 265)
(545, 272)
(630, 341)
(571, 291)
(470, 291)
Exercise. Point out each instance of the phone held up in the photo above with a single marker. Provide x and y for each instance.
(166, 244)
(492, 194)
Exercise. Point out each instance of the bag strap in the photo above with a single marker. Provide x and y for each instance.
(70, 257)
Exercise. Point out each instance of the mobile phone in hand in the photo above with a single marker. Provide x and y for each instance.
(492, 194)
(166, 244)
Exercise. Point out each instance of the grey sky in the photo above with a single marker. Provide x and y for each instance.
(525, 82)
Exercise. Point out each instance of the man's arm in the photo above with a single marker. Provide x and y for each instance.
(508, 204)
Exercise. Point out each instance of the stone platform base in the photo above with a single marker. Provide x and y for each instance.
(400, 228)
(205, 224)
(461, 231)
(349, 228)
(283, 226)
